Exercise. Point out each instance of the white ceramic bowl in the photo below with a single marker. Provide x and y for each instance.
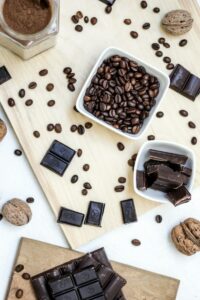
(142, 156)
(164, 84)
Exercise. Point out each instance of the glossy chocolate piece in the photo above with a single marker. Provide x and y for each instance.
(70, 217)
(54, 164)
(141, 180)
(166, 177)
(172, 158)
(179, 196)
(192, 88)
(108, 2)
(95, 213)
(128, 211)
(4, 75)
(62, 151)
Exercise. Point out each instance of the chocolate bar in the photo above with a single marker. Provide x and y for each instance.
(58, 158)
(179, 196)
(70, 217)
(141, 181)
(172, 158)
(108, 2)
(95, 213)
(128, 211)
(4, 75)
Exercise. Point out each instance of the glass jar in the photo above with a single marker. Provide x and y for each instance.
(29, 45)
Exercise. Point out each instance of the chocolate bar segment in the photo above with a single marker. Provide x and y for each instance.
(54, 164)
(179, 196)
(192, 88)
(63, 151)
(141, 181)
(128, 211)
(95, 213)
(70, 217)
(167, 157)
(168, 178)
(4, 75)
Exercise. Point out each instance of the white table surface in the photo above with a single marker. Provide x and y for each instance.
(156, 253)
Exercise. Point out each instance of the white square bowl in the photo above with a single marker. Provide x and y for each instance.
(143, 156)
(164, 85)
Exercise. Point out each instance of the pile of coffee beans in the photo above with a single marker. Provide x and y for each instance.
(70, 76)
(76, 18)
(122, 94)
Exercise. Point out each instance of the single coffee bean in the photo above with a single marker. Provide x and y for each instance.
(194, 140)
(29, 102)
(120, 146)
(84, 192)
(87, 186)
(119, 188)
(73, 128)
(86, 19)
(134, 34)
(121, 179)
(183, 43)
(156, 10)
(88, 125)
(71, 87)
(74, 179)
(79, 28)
(71, 75)
(79, 152)
(183, 113)
(159, 53)
(151, 137)
(86, 167)
(19, 268)
(18, 152)
(43, 72)
(79, 14)
(166, 45)
(93, 21)
(161, 40)
(36, 134)
(75, 19)
(131, 162)
(155, 46)
(191, 124)
(30, 200)
(159, 114)
(50, 127)
(108, 9)
(51, 103)
(167, 59)
(158, 218)
(143, 4)
(67, 70)
(19, 294)
(22, 93)
(81, 129)
(127, 21)
(72, 80)
(170, 66)
(32, 85)
(136, 242)
(50, 87)
(26, 276)
(146, 26)
(11, 102)
(58, 128)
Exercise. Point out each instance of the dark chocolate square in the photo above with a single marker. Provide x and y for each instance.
(54, 164)
(95, 213)
(192, 88)
(90, 290)
(128, 211)
(60, 285)
(70, 217)
(179, 78)
(85, 276)
(179, 196)
(63, 151)
(4, 75)
(72, 295)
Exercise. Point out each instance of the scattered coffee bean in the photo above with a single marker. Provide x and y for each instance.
(134, 156)
(121, 179)
(183, 43)
(1, 216)
(51, 103)
(136, 242)
(29, 102)
(71, 87)
(32, 85)
(167, 59)
(170, 66)
(19, 268)
(18, 152)
(127, 21)
(120, 146)
(79, 28)
(58, 128)
(88, 125)
(146, 26)
(151, 137)
(159, 114)
(166, 45)
(156, 10)
(131, 162)
(50, 87)
(67, 70)
(159, 53)
(36, 134)
(72, 80)
(81, 129)
(26, 276)
(19, 293)
(94, 21)
(73, 128)
(71, 75)
(183, 113)
(86, 167)
(158, 218)
(155, 46)
(74, 179)
(86, 19)
(50, 127)
(119, 188)
(108, 9)
(30, 200)
(79, 152)
(191, 124)
(79, 14)
(84, 192)
(75, 19)
(143, 4)
(87, 186)
(22, 93)
(11, 102)
(161, 40)
(134, 34)
(194, 140)
(43, 72)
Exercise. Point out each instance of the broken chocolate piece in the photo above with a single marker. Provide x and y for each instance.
(186, 171)
(166, 177)
(167, 157)
(95, 213)
(141, 180)
(128, 211)
(179, 196)
(68, 216)
(4, 75)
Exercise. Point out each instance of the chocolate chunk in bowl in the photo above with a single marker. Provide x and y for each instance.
(122, 93)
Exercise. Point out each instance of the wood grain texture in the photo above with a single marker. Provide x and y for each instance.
(80, 51)
(38, 257)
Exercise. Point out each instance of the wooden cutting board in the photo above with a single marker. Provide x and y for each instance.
(80, 51)
(38, 257)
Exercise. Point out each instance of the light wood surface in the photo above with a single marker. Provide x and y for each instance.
(80, 51)
(38, 257)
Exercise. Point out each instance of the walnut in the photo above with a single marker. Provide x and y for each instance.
(186, 236)
(17, 212)
(177, 22)
(3, 130)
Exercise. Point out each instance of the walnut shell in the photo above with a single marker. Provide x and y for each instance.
(3, 130)
(17, 212)
(177, 22)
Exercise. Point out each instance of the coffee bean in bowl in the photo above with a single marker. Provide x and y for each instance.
(122, 93)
